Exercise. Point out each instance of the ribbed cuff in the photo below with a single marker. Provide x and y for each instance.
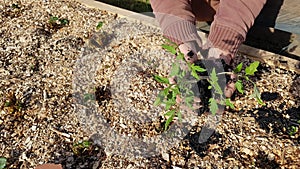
(225, 38)
(182, 31)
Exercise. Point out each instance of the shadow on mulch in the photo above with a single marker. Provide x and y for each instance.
(262, 161)
(80, 156)
(280, 124)
(202, 149)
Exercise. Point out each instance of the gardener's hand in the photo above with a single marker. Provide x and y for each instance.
(189, 50)
(215, 53)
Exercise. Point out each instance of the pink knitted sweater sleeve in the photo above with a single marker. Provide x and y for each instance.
(231, 23)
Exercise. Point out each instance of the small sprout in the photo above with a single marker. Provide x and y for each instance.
(7, 104)
(15, 6)
(53, 19)
(81, 146)
(238, 68)
(64, 21)
(99, 25)
(3, 162)
(57, 23)
(88, 96)
(293, 130)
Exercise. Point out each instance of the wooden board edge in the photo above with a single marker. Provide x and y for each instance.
(274, 60)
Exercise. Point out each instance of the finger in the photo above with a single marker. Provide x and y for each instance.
(191, 57)
(172, 80)
(178, 99)
(230, 86)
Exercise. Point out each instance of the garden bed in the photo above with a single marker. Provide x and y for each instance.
(44, 43)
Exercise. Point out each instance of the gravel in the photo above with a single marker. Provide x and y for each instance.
(49, 69)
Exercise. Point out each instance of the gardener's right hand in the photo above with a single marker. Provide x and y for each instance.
(189, 50)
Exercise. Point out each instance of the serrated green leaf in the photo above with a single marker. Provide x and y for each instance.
(169, 104)
(179, 115)
(157, 101)
(197, 68)
(238, 68)
(170, 113)
(175, 69)
(195, 75)
(252, 68)
(166, 91)
(180, 56)
(257, 95)
(169, 48)
(161, 79)
(228, 103)
(2, 162)
(239, 86)
(214, 82)
(189, 101)
(213, 76)
(213, 106)
(175, 92)
(169, 120)
(182, 74)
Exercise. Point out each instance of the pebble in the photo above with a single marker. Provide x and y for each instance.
(33, 128)
(165, 156)
(271, 156)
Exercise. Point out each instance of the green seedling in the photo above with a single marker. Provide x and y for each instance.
(81, 146)
(99, 25)
(88, 96)
(3, 162)
(56, 22)
(292, 130)
(182, 88)
(15, 6)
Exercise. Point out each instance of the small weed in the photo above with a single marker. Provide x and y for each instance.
(11, 103)
(3, 162)
(81, 147)
(15, 6)
(292, 130)
(57, 23)
(182, 88)
(88, 96)
(99, 25)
